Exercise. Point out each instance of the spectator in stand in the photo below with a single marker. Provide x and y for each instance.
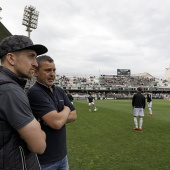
(149, 102)
(138, 104)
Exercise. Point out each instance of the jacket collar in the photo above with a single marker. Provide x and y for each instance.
(21, 81)
(44, 86)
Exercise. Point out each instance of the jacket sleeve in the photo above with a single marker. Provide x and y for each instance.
(133, 99)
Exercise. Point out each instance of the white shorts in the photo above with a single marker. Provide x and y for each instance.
(92, 103)
(150, 104)
(138, 112)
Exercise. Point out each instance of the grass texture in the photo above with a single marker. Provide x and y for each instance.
(105, 140)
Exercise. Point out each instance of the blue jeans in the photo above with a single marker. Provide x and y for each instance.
(60, 165)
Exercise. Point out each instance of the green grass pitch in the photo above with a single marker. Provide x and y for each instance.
(105, 140)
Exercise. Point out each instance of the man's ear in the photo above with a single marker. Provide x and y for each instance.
(11, 59)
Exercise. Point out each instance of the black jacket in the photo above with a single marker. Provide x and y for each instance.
(14, 154)
(138, 100)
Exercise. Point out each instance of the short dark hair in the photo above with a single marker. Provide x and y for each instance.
(43, 58)
(139, 89)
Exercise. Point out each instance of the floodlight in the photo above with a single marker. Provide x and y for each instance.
(30, 18)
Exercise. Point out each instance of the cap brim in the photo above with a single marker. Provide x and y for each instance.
(39, 49)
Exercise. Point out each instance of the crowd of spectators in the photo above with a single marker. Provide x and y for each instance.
(103, 82)
(109, 81)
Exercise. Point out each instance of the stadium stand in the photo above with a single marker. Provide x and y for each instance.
(113, 86)
(106, 86)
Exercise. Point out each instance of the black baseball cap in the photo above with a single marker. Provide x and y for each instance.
(20, 42)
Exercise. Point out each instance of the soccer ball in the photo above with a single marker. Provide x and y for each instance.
(95, 109)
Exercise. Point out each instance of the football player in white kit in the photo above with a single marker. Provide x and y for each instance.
(149, 102)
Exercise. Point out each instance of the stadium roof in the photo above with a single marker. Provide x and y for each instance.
(146, 75)
(4, 32)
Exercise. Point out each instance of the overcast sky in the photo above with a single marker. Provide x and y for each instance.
(96, 37)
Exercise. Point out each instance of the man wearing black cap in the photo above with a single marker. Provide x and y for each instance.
(21, 136)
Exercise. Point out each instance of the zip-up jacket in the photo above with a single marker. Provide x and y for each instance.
(138, 100)
(14, 154)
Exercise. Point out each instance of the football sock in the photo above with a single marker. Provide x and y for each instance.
(150, 110)
(136, 122)
(140, 122)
